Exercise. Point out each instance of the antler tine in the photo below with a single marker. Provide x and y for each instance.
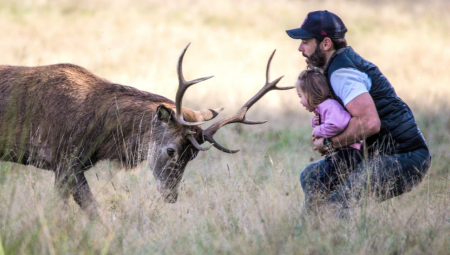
(194, 142)
(239, 117)
(220, 147)
(268, 66)
(182, 87)
(268, 86)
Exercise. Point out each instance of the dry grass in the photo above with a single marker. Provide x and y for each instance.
(248, 203)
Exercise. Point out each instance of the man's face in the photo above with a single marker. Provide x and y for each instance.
(312, 52)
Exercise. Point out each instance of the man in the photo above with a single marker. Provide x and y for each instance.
(396, 155)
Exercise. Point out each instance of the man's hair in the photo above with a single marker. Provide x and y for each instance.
(338, 43)
(314, 85)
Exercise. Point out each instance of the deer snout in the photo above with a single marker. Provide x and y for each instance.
(171, 197)
(170, 194)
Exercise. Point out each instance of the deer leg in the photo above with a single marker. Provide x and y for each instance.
(79, 188)
(62, 185)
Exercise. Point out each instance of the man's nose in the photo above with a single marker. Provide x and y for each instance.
(300, 47)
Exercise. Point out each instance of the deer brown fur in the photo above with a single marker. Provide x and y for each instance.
(65, 119)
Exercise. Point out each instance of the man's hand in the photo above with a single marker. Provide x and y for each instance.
(318, 146)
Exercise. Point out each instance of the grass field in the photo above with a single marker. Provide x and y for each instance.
(246, 203)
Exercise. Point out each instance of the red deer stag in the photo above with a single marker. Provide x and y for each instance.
(65, 119)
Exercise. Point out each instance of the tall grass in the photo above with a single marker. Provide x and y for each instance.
(246, 203)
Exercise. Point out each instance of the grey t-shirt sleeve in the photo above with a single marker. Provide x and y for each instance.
(349, 83)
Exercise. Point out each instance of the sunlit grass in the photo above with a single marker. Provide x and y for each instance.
(246, 203)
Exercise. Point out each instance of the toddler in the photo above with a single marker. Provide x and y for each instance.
(330, 120)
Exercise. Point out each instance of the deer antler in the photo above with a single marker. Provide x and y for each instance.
(239, 117)
(194, 142)
(205, 114)
(182, 86)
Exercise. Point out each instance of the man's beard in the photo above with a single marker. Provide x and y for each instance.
(317, 59)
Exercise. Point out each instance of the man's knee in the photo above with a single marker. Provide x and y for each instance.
(311, 173)
(303, 177)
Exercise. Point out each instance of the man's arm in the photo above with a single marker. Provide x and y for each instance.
(365, 122)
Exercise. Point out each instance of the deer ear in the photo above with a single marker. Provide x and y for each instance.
(165, 114)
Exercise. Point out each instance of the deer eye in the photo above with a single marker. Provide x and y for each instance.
(170, 152)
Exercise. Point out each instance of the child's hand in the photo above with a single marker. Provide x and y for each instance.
(316, 119)
(318, 146)
(314, 132)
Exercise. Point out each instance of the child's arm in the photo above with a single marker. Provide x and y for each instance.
(334, 119)
(315, 120)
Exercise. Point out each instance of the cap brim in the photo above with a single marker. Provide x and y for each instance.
(299, 33)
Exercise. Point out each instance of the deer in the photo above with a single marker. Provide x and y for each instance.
(65, 119)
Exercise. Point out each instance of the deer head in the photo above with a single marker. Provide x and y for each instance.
(180, 134)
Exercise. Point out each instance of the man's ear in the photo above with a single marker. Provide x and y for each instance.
(327, 44)
(165, 114)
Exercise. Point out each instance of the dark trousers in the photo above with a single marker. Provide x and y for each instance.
(340, 179)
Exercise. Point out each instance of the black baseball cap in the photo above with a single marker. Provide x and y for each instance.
(319, 24)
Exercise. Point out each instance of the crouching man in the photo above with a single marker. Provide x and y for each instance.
(396, 155)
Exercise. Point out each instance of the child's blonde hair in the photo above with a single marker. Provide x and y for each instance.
(314, 86)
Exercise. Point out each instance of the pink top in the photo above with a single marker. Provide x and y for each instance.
(333, 120)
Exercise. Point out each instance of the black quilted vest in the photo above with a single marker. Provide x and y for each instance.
(399, 132)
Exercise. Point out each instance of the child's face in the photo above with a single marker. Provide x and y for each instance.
(303, 99)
